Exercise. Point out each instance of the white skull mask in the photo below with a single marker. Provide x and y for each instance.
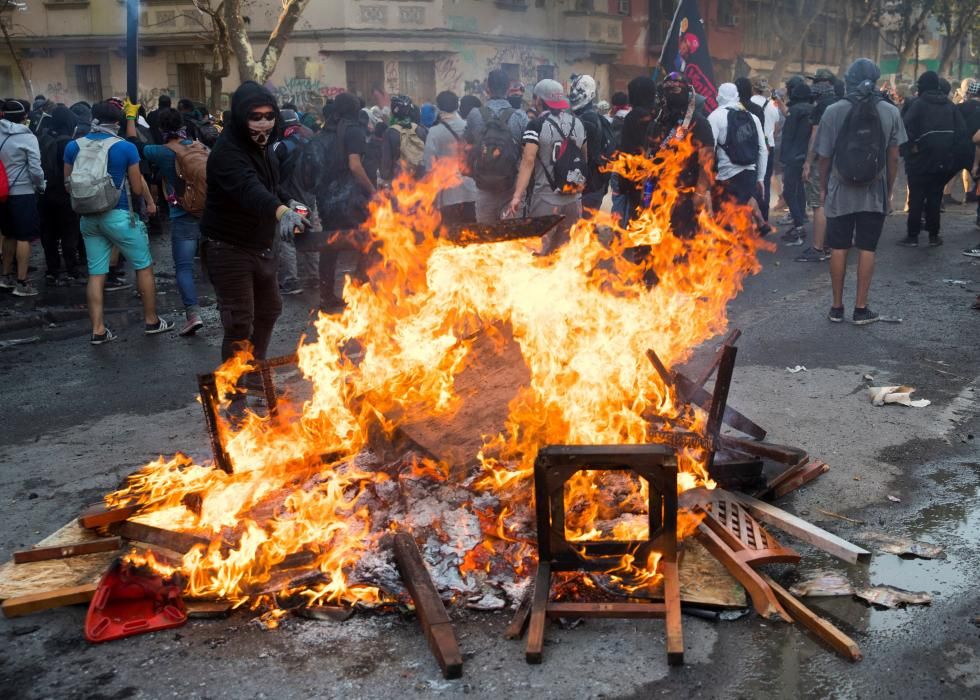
(260, 129)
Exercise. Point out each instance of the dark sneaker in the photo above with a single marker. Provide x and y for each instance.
(290, 287)
(798, 239)
(25, 289)
(102, 338)
(7, 282)
(812, 255)
(161, 326)
(909, 242)
(788, 219)
(935, 241)
(973, 252)
(792, 234)
(765, 230)
(836, 314)
(863, 317)
(114, 284)
(57, 280)
(193, 325)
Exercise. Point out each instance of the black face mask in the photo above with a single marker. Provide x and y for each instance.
(676, 101)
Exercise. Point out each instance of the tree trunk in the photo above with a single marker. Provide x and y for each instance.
(795, 37)
(248, 67)
(13, 55)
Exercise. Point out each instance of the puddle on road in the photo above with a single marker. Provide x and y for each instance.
(953, 523)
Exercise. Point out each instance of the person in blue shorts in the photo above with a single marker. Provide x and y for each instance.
(117, 227)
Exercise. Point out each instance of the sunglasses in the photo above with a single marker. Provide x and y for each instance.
(260, 116)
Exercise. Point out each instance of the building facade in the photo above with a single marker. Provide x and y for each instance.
(75, 49)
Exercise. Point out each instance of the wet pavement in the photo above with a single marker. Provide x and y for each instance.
(76, 419)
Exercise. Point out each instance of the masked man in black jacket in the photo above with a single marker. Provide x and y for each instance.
(244, 220)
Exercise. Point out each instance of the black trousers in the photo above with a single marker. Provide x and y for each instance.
(794, 193)
(60, 237)
(925, 198)
(247, 290)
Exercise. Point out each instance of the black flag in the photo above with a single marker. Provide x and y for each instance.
(686, 51)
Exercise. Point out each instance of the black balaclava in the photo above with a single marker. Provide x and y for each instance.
(642, 92)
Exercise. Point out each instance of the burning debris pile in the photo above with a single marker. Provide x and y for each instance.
(423, 407)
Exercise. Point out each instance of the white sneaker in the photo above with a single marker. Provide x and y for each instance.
(25, 289)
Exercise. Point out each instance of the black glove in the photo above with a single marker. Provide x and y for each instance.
(288, 224)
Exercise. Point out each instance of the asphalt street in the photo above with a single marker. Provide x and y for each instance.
(76, 419)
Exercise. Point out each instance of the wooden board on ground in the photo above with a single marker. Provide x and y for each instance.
(18, 580)
(494, 373)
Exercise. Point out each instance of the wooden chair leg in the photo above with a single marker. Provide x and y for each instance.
(539, 611)
(672, 618)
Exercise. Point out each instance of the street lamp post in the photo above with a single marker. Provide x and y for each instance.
(132, 48)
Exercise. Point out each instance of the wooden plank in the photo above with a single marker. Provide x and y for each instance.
(606, 610)
(428, 605)
(99, 515)
(810, 471)
(763, 599)
(207, 609)
(18, 580)
(672, 606)
(801, 529)
(777, 453)
(26, 605)
(730, 339)
(827, 633)
(182, 542)
(518, 623)
(105, 544)
(539, 611)
(693, 393)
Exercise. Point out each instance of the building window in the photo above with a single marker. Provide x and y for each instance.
(584, 6)
(661, 15)
(190, 81)
(417, 79)
(299, 66)
(625, 7)
(166, 18)
(546, 73)
(89, 79)
(366, 79)
(726, 13)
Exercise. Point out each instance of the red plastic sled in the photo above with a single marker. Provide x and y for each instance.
(130, 601)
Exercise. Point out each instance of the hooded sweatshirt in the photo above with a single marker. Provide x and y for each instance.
(796, 132)
(21, 157)
(243, 179)
(935, 128)
(726, 170)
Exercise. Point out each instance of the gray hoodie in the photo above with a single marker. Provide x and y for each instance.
(21, 157)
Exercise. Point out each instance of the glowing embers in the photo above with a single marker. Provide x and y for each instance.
(644, 561)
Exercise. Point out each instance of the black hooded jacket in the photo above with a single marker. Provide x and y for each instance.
(936, 131)
(243, 179)
(796, 131)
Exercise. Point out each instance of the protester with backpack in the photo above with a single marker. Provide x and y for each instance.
(103, 177)
(343, 191)
(935, 129)
(771, 120)
(598, 136)
(556, 155)
(182, 163)
(445, 143)
(404, 142)
(21, 177)
(823, 91)
(857, 143)
(494, 132)
(244, 218)
(60, 234)
(741, 154)
(289, 150)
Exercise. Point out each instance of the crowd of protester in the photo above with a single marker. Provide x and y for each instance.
(89, 180)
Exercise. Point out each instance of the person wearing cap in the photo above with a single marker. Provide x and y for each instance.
(457, 204)
(823, 92)
(770, 112)
(856, 213)
(19, 220)
(118, 227)
(541, 141)
(491, 203)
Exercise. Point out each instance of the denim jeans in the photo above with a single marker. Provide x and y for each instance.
(287, 263)
(184, 237)
(248, 295)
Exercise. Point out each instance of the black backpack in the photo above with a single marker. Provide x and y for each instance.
(568, 175)
(207, 132)
(606, 150)
(495, 154)
(341, 202)
(742, 140)
(300, 168)
(859, 154)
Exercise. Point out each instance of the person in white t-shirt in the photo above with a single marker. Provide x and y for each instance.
(760, 86)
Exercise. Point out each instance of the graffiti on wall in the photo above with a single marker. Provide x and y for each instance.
(304, 92)
(475, 87)
(149, 98)
(527, 59)
(392, 79)
(449, 74)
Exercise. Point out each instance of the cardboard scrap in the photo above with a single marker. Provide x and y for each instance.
(880, 395)
(891, 597)
(902, 546)
(823, 584)
(797, 368)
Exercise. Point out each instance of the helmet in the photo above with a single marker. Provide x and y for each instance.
(401, 106)
(582, 91)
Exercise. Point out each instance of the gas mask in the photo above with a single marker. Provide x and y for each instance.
(261, 122)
